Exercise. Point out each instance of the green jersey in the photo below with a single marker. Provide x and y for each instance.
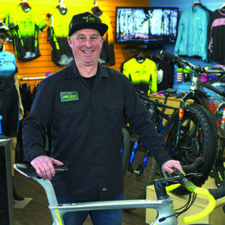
(59, 20)
(24, 26)
(142, 73)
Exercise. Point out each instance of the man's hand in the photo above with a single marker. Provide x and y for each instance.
(170, 165)
(44, 166)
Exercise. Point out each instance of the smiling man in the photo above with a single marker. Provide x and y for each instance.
(85, 104)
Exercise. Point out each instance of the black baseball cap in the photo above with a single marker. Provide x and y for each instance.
(87, 20)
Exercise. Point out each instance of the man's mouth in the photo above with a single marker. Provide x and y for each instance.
(88, 52)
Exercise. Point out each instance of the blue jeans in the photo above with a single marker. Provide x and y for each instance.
(98, 217)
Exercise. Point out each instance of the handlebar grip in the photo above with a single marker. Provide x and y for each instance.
(168, 55)
(205, 212)
(195, 165)
(218, 192)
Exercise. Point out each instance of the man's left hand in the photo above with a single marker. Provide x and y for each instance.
(170, 165)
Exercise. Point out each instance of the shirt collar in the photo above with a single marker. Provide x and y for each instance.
(74, 73)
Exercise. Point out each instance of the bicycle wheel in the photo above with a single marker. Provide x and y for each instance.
(135, 181)
(125, 151)
(198, 138)
(219, 169)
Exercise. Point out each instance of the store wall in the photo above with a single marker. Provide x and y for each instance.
(212, 5)
(40, 66)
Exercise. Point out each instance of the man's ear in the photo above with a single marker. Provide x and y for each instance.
(102, 39)
(69, 40)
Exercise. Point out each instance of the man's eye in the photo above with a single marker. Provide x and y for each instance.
(94, 38)
(81, 38)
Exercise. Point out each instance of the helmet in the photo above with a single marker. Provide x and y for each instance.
(3, 27)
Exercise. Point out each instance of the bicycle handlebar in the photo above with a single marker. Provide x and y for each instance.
(187, 65)
(207, 210)
(187, 184)
(210, 194)
(188, 169)
(195, 165)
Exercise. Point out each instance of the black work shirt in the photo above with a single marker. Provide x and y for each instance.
(86, 128)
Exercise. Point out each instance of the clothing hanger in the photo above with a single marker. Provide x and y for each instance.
(158, 57)
(61, 7)
(25, 6)
(198, 3)
(96, 10)
(140, 57)
(195, 3)
(222, 6)
(61, 4)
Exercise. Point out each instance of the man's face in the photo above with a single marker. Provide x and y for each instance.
(86, 46)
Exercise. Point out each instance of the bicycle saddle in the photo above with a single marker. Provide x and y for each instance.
(168, 91)
(28, 170)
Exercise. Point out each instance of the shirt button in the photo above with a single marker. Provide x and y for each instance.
(104, 189)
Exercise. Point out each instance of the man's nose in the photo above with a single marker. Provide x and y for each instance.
(88, 42)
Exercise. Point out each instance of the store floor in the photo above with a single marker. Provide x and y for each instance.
(36, 211)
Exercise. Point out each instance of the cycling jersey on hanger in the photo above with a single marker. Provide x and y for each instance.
(165, 74)
(24, 26)
(216, 45)
(142, 73)
(57, 36)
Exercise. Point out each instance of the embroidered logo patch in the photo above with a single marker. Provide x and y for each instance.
(69, 96)
(88, 18)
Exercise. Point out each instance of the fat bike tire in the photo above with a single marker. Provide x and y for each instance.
(196, 120)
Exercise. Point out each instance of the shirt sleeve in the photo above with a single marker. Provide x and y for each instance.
(153, 83)
(34, 126)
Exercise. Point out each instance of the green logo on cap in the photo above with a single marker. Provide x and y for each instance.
(88, 18)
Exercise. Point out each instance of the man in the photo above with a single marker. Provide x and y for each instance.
(84, 104)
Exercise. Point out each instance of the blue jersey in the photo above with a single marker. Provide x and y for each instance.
(8, 69)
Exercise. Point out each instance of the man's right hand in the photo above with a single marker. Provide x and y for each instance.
(44, 166)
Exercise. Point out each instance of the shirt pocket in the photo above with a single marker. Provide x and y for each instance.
(113, 114)
(68, 117)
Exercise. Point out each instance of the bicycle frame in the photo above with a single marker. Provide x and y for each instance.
(157, 115)
(163, 206)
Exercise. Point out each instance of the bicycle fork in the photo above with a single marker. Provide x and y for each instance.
(181, 117)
